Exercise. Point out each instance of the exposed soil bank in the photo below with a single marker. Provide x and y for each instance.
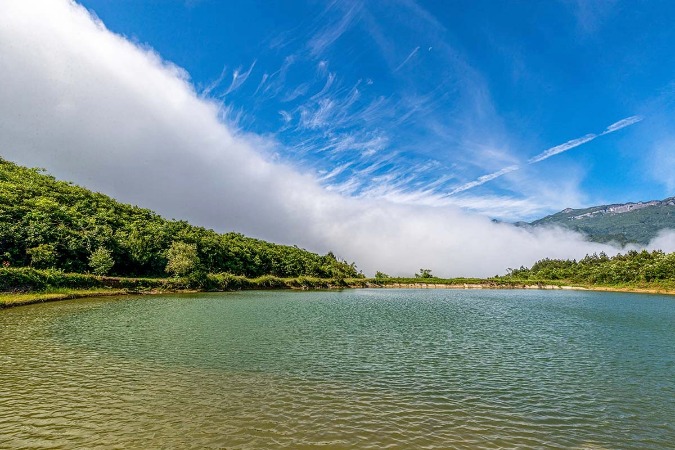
(492, 285)
(8, 300)
(487, 285)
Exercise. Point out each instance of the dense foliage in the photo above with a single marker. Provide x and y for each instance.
(27, 279)
(19, 282)
(45, 223)
(631, 267)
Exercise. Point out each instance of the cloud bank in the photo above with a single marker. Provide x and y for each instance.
(94, 108)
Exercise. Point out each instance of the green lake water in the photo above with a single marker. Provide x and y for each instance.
(409, 369)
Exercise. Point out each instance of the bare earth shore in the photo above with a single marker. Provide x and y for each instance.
(636, 290)
(8, 300)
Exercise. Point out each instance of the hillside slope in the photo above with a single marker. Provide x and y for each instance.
(623, 223)
(48, 223)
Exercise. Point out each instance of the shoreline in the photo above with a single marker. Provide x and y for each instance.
(543, 287)
(10, 300)
(636, 290)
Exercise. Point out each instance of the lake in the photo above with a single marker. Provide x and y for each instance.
(370, 368)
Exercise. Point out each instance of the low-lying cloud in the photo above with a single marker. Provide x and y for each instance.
(94, 108)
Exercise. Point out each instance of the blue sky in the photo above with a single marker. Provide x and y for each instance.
(389, 133)
(436, 102)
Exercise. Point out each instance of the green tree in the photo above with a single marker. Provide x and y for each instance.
(48, 223)
(101, 261)
(43, 256)
(424, 273)
(381, 275)
(182, 258)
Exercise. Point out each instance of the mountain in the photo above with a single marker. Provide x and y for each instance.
(623, 223)
(46, 223)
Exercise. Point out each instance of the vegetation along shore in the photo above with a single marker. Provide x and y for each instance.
(23, 286)
(60, 241)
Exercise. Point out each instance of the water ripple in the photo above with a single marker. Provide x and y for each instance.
(341, 370)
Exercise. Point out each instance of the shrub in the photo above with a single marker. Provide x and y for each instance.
(42, 256)
(182, 258)
(25, 279)
(101, 261)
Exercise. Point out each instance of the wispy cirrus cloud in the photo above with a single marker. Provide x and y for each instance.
(330, 79)
(329, 110)
(556, 150)
(483, 179)
(273, 84)
(263, 80)
(142, 133)
(410, 55)
(338, 24)
(239, 78)
(344, 119)
(569, 145)
(368, 130)
(616, 126)
(286, 116)
(299, 91)
(622, 124)
(215, 84)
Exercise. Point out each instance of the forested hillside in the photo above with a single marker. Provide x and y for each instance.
(623, 223)
(45, 223)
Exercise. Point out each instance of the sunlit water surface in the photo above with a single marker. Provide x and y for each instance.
(353, 369)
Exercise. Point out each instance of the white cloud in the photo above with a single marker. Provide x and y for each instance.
(547, 154)
(623, 123)
(214, 85)
(483, 179)
(94, 108)
(665, 241)
(616, 126)
(569, 145)
(285, 116)
(330, 78)
(239, 78)
(410, 55)
(349, 13)
(263, 80)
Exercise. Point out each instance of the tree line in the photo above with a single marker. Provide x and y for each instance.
(46, 223)
(631, 267)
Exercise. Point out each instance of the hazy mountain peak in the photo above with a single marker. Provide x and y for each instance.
(632, 222)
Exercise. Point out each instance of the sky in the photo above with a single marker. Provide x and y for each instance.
(389, 132)
(426, 102)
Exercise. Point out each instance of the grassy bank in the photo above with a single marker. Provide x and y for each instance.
(26, 298)
(20, 286)
(660, 287)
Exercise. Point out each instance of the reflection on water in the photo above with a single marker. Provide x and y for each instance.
(352, 369)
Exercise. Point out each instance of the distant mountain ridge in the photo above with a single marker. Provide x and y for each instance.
(623, 223)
